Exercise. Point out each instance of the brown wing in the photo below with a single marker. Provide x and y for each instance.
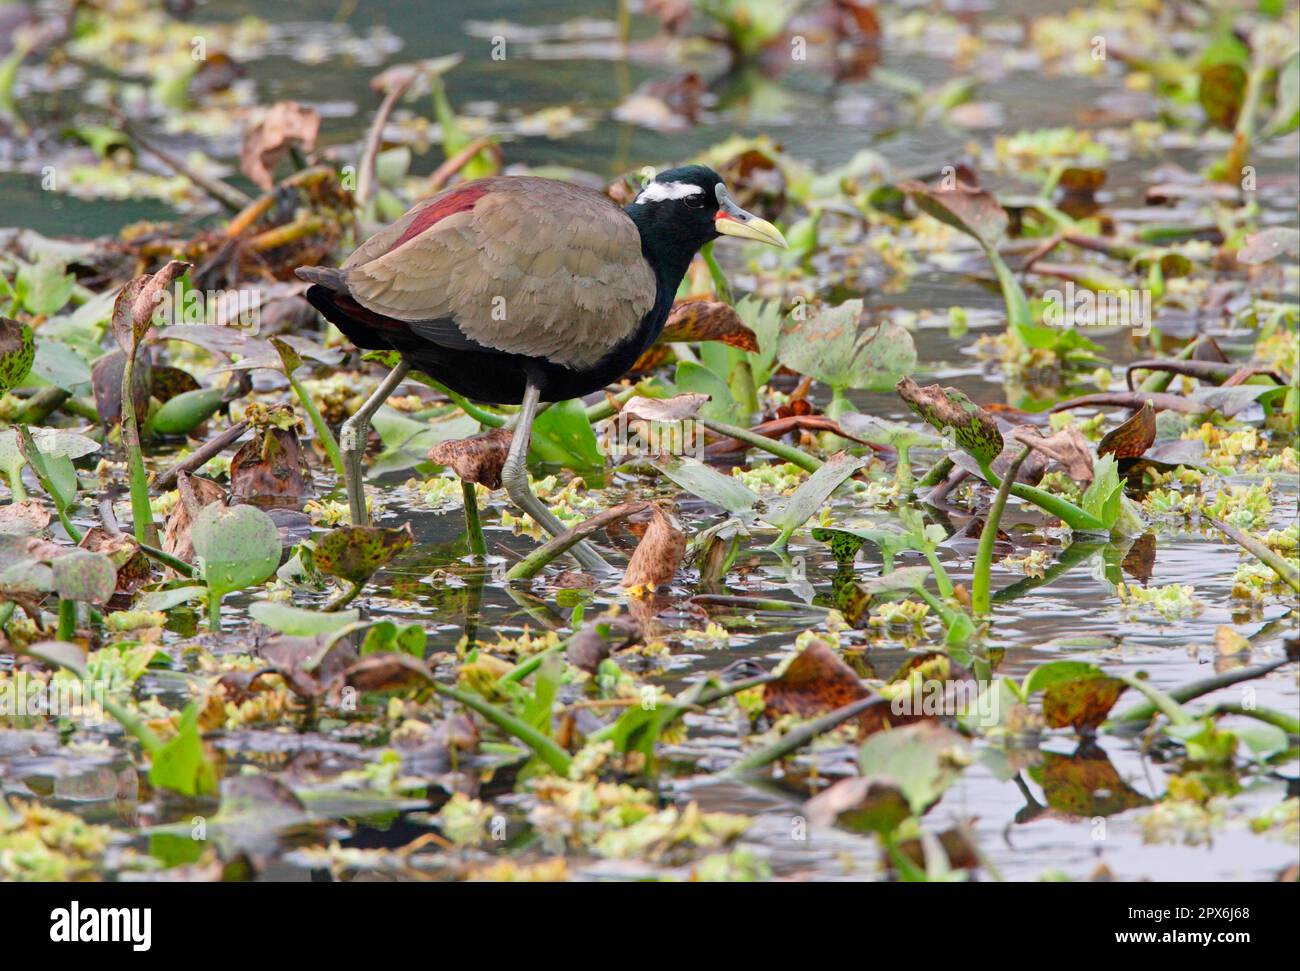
(524, 265)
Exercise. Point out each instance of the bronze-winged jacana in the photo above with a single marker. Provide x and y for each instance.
(519, 290)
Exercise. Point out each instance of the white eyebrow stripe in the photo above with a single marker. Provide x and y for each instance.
(659, 191)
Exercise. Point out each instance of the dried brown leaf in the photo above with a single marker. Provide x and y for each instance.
(286, 124)
(477, 459)
(659, 554)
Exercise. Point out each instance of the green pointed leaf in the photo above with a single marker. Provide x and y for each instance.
(709, 484)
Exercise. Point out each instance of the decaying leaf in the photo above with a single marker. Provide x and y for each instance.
(1133, 437)
(708, 320)
(286, 125)
(815, 682)
(660, 552)
(355, 552)
(106, 382)
(974, 429)
(477, 459)
(390, 671)
(133, 310)
(24, 518)
(271, 464)
(598, 639)
(677, 408)
(133, 569)
(196, 492)
(1067, 446)
(963, 206)
(17, 351)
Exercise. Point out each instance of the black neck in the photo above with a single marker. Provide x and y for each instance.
(668, 254)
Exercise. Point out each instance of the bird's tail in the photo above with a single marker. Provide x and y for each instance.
(325, 276)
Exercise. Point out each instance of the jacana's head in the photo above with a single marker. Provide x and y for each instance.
(684, 208)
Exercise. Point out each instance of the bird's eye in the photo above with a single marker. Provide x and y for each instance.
(694, 201)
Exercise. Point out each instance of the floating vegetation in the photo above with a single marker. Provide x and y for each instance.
(980, 483)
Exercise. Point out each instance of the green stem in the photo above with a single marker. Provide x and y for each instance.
(67, 619)
(141, 513)
(720, 284)
(797, 456)
(343, 599)
(526, 667)
(544, 747)
(214, 609)
(988, 537)
(938, 472)
(318, 424)
(1166, 705)
(1018, 313)
(37, 461)
(477, 544)
(941, 578)
(804, 734)
(1269, 716)
(1062, 509)
(17, 491)
(166, 559)
(483, 417)
(1140, 714)
(903, 469)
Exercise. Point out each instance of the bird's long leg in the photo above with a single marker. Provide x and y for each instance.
(514, 475)
(352, 442)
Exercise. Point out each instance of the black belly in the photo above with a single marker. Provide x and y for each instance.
(492, 377)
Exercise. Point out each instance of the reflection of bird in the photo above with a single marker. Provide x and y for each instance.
(519, 290)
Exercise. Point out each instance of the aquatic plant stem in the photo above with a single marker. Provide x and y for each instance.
(141, 512)
(797, 456)
(67, 619)
(545, 748)
(988, 537)
(474, 528)
(1062, 509)
(322, 429)
(214, 610)
(37, 461)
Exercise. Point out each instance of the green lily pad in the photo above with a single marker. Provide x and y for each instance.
(84, 576)
(834, 347)
(298, 621)
(236, 546)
